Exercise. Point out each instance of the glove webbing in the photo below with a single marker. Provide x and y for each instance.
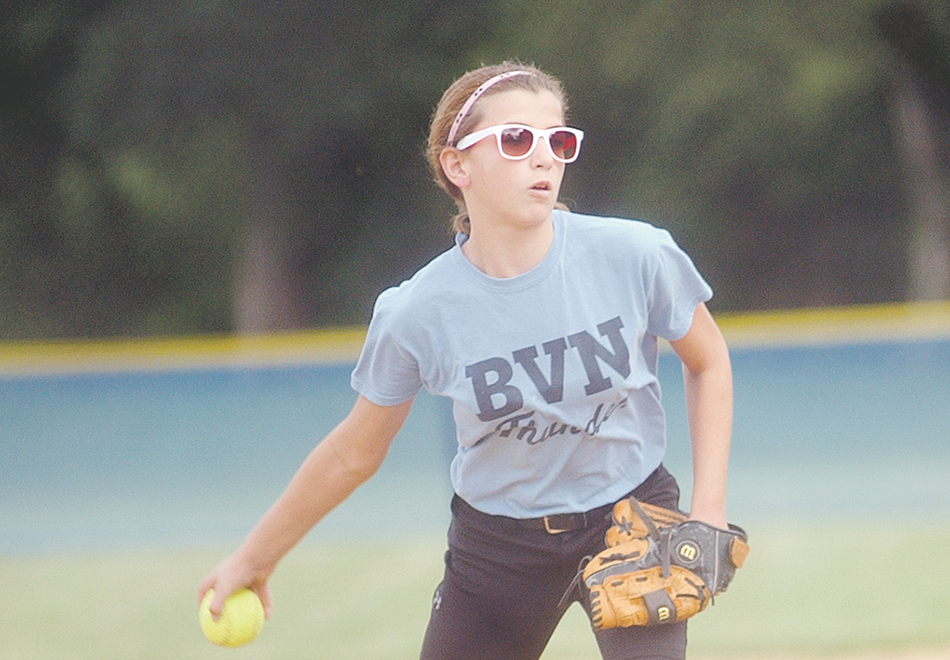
(663, 540)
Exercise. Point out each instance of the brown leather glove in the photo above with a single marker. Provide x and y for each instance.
(659, 567)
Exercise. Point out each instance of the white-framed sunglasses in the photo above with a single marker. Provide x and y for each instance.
(517, 142)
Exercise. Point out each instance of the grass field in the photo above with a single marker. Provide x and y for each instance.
(814, 591)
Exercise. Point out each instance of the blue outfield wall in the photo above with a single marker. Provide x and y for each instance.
(841, 415)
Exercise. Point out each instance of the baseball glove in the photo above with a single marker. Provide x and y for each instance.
(659, 567)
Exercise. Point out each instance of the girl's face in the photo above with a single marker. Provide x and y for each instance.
(522, 192)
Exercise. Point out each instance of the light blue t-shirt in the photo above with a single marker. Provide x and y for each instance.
(552, 373)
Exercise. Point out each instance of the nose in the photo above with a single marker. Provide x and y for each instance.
(543, 157)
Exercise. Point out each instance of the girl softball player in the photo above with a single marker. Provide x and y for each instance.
(541, 325)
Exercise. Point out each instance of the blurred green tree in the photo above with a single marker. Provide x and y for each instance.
(37, 52)
(762, 133)
(329, 104)
(222, 165)
(921, 95)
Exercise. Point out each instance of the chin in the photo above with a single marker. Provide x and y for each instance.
(538, 216)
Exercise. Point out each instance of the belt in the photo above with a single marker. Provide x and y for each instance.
(568, 522)
(572, 522)
(560, 522)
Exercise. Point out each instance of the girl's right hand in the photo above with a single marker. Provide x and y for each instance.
(229, 576)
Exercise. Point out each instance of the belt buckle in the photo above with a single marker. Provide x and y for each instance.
(552, 530)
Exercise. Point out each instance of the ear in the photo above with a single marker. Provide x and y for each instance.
(454, 166)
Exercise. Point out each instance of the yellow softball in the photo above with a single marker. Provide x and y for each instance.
(241, 619)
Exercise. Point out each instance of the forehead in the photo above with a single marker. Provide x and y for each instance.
(521, 106)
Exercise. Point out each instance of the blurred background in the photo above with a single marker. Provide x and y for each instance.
(210, 195)
(217, 166)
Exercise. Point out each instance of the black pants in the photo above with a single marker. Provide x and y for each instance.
(499, 597)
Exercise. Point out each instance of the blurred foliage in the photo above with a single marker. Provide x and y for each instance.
(759, 132)
(219, 165)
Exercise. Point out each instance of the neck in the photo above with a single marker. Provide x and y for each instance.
(504, 252)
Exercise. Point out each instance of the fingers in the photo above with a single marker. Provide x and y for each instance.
(263, 592)
(224, 581)
(219, 596)
(217, 602)
(222, 588)
(208, 584)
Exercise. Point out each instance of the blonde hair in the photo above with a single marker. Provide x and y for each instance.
(454, 99)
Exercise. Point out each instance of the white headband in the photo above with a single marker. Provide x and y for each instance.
(474, 97)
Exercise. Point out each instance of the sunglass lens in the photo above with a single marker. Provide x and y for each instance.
(563, 144)
(516, 141)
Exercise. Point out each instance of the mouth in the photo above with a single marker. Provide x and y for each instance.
(543, 186)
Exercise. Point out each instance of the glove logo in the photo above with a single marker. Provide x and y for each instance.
(688, 552)
(663, 614)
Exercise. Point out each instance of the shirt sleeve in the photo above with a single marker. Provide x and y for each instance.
(387, 372)
(675, 290)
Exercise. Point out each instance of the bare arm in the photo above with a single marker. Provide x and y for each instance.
(707, 373)
(348, 456)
